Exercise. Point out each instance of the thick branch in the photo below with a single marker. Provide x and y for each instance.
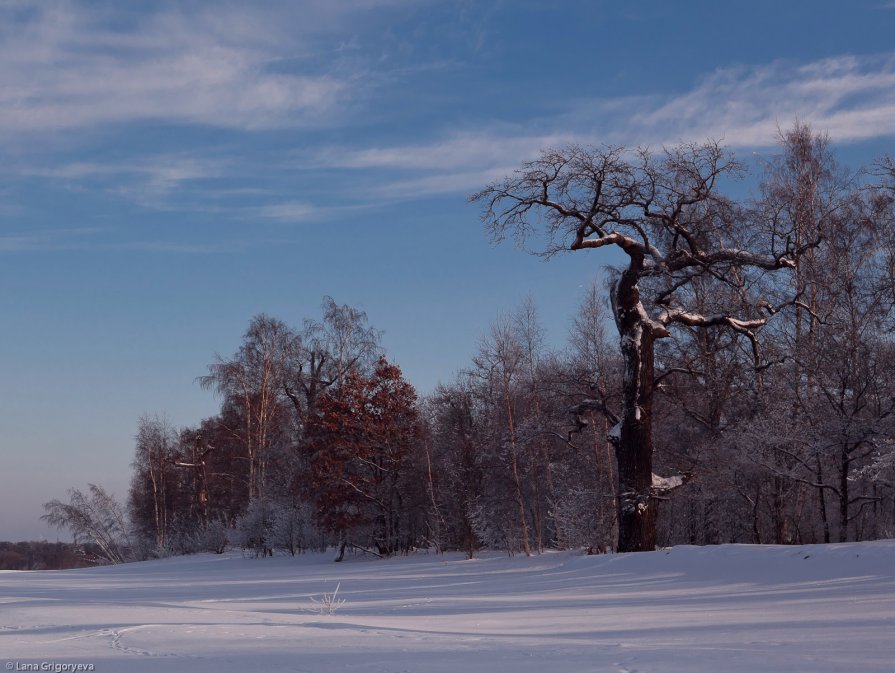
(626, 243)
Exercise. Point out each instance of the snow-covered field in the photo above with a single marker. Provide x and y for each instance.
(700, 610)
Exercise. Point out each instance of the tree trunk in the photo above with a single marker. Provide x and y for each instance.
(514, 470)
(756, 530)
(778, 513)
(822, 497)
(844, 465)
(636, 506)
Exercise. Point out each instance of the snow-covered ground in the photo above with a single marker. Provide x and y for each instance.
(701, 610)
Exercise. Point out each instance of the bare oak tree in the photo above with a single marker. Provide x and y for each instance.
(666, 214)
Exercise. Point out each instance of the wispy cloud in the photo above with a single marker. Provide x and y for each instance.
(161, 170)
(852, 98)
(291, 212)
(70, 66)
(21, 242)
(288, 211)
(458, 150)
(459, 162)
(47, 239)
(94, 239)
(176, 247)
(148, 181)
(441, 183)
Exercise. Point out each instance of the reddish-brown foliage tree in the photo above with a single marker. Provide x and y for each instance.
(361, 444)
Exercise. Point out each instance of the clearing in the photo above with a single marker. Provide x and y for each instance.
(731, 608)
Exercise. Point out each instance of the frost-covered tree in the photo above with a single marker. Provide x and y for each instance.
(592, 376)
(255, 528)
(154, 486)
(457, 471)
(500, 367)
(666, 215)
(94, 517)
(293, 529)
(341, 342)
(252, 383)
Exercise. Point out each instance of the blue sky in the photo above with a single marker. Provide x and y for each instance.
(171, 169)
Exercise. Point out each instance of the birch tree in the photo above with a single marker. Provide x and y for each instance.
(252, 381)
(455, 432)
(499, 365)
(155, 481)
(94, 517)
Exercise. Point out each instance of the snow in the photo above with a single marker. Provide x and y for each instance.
(615, 431)
(731, 608)
(667, 483)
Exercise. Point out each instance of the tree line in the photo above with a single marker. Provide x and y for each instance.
(43, 555)
(746, 395)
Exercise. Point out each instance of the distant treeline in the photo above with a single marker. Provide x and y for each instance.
(46, 555)
(744, 394)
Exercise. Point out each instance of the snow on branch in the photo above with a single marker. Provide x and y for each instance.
(684, 259)
(662, 486)
(683, 316)
(626, 243)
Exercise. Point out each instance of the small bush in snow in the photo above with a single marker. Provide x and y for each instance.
(329, 603)
(254, 529)
(215, 536)
(293, 530)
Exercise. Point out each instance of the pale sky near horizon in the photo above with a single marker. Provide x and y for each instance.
(171, 169)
